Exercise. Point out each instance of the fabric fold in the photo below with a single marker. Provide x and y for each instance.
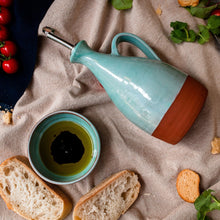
(58, 84)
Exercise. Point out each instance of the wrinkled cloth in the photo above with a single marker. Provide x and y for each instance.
(58, 84)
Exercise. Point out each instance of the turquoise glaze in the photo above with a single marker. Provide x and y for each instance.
(35, 138)
(143, 89)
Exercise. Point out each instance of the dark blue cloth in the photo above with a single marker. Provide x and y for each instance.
(27, 16)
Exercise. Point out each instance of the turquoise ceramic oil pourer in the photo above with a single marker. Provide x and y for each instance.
(154, 95)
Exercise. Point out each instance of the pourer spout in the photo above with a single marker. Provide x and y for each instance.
(49, 32)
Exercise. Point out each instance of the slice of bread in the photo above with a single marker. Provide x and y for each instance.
(29, 196)
(110, 199)
(187, 185)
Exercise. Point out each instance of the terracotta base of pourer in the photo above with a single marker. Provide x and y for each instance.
(182, 113)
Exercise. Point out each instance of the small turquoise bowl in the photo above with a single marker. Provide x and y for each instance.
(44, 133)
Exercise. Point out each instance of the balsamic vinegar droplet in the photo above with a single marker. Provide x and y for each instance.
(67, 148)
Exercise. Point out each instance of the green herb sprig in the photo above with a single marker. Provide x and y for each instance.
(122, 4)
(206, 203)
(181, 31)
(203, 9)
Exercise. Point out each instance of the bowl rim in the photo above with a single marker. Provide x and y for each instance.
(98, 147)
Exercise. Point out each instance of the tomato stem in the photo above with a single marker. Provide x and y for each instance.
(3, 57)
(2, 43)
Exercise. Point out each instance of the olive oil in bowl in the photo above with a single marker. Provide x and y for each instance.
(66, 148)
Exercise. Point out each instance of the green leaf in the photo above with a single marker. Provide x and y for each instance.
(201, 216)
(203, 200)
(215, 31)
(213, 24)
(122, 4)
(181, 32)
(216, 204)
(203, 3)
(175, 38)
(206, 202)
(192, 36)
(202, 10)
(178, 25)
(202, 204)
(203, 35)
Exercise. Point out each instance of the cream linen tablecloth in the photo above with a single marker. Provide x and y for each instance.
(58, 84)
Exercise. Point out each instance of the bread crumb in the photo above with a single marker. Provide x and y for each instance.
(159, 11)
(185, 3)
(7, 118)
(147, 194)
(215, 145)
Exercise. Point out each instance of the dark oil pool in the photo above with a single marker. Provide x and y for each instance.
(66, 148)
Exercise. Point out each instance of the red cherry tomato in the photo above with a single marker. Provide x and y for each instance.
(6, 3)
(10, 66)
(4, 33)
(5, 16)
(9, 48)
(216, 12)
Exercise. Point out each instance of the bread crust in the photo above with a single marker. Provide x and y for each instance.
(183, 186)
(67, 204)
(101, 186)
(185, 3)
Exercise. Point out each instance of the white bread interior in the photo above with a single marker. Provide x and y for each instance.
(110, 199)
(29, 196)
